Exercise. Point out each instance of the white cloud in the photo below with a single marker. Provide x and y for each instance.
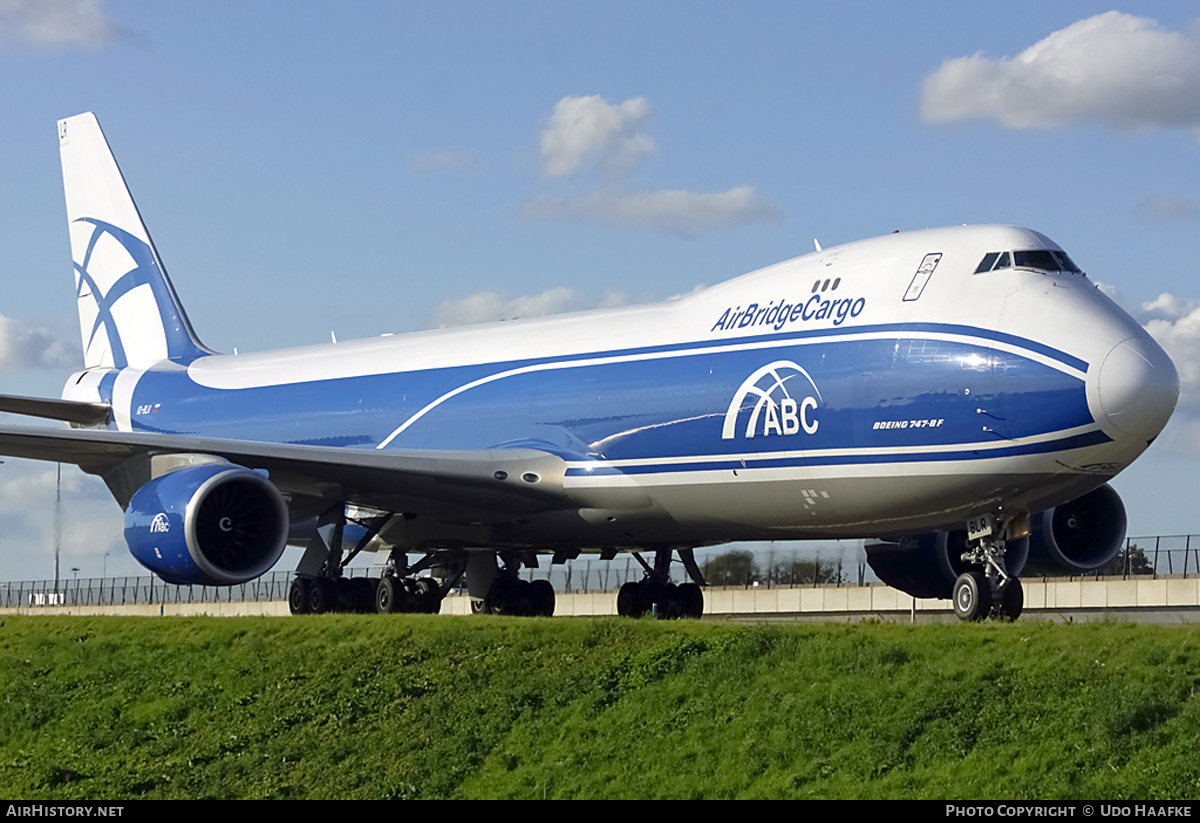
(670, 210)
(56, 24)
(1175, 323)
(86, 526)
(1122, 71)
(22, 347)
(1165, 207)
(490, 306)
(592, 131)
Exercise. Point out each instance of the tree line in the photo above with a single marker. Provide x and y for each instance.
(741, 567)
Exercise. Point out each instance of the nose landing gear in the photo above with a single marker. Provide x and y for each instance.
(990, 591)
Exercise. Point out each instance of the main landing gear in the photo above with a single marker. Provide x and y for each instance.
(401, 591)
(991, 591)
(498, 589)
(320, 585)
(657, 594)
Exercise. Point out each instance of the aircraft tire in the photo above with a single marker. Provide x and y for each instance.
(427, 597)
(972, 596)
(345, 595)
(322, 596)
(362, 595)
(692, 597)
(498, 600)
(655, 597)
(543, 598)
(298, 596)
(629, 601)
(390, 596)
(1012, 602)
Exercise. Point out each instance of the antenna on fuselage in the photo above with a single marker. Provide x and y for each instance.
(817, 244)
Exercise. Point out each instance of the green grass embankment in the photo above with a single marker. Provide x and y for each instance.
(370, 707)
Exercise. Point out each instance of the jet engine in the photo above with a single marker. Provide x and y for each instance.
(212, 524)
(923, 565)
(1078, 536)
(1073, 538)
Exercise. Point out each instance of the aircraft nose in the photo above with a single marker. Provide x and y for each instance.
(1138, 387)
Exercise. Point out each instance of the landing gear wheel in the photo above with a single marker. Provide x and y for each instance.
(510, 597)
(656, 598)
(629, 600)
(972, 596)
(389, 596)
(362, 595)
(427, 596)
(1012, 600)
(322, 596)
(298, 596)
(542, 594)
(345, 597)
(692, 599)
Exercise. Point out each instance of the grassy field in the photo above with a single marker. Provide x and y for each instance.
(409, 706)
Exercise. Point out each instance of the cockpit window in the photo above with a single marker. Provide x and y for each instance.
(994, 260)
(1039, 259)
(987, 262)
(1067, 263)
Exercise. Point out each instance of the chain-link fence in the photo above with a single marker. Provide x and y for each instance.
(1141, 556)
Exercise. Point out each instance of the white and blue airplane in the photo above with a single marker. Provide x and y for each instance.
(957, 396)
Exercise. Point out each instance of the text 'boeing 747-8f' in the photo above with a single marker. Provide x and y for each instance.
(959, 397)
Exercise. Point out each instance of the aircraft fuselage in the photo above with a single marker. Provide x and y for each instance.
(879, 388)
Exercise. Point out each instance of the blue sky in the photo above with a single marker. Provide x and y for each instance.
(384, 167)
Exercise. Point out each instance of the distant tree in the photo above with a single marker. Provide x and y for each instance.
(796, 571)
(1130, 560)
(733, 568)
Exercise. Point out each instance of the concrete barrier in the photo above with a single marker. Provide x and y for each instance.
(1161, 599)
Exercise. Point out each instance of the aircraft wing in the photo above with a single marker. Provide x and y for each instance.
(477, 486)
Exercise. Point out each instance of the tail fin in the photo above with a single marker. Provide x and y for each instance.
(129, 314)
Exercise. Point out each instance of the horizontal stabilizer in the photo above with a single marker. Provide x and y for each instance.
(68, 411)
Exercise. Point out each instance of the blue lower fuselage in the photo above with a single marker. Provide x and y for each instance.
(869, 390)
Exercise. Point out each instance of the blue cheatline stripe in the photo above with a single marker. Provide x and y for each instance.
(1077, 441)
(782, 338)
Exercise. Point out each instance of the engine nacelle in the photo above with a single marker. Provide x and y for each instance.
(213, 524)
(1075, 537)
(1078, 536)
(923, 566)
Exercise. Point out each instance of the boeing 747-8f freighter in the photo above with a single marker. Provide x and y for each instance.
(959, 397)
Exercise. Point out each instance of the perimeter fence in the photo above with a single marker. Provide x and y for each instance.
(1155, 556)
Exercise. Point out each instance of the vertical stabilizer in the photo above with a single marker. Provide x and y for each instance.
(129, 315)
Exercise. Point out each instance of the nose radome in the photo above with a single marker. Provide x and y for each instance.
(1138, 387)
